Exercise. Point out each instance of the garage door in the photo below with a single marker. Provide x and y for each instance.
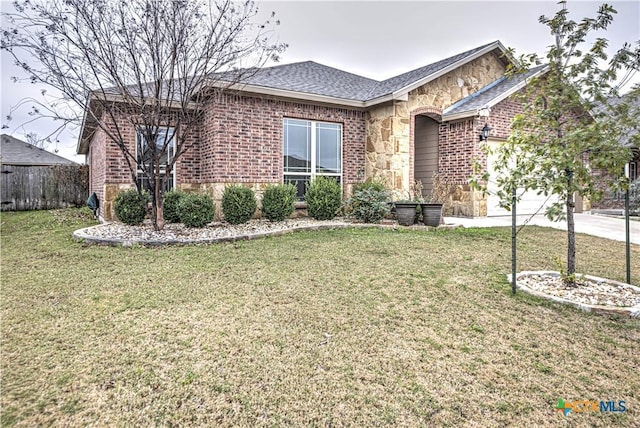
(530, 202)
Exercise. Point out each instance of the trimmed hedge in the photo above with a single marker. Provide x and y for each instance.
(279, 201)
(131, 207)
(238, 204)
(323, 197)
(196, 209)
(369, 205)
(170, 205)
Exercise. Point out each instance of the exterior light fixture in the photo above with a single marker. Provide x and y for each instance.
(484, 132)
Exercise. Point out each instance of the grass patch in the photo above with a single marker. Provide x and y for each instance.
(347, 327)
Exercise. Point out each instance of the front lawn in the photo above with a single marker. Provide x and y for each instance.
(362, 327)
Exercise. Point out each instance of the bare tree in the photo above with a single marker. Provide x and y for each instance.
(35, 140)
(148, 64)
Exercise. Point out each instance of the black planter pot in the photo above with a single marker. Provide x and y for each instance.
(406, 212)
(431, 214)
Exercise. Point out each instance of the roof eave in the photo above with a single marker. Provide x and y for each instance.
(82, 148)
(326, 99)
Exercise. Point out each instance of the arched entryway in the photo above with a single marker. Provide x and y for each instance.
(425, 159)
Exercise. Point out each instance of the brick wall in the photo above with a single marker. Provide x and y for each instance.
(458, 147)
(243, 142)
(97, 165)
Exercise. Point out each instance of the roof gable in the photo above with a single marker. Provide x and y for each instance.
(491, 94)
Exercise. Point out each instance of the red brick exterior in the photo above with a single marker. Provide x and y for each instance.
(457, 149)
(243, 141)
(97, 161)
(239, 141)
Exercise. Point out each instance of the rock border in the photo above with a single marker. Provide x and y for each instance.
(630, 311)
(80, 235)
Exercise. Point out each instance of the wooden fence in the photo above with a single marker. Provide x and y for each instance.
(24, 188)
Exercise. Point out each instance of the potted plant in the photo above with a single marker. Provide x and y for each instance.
(440, 193)
(406, 209)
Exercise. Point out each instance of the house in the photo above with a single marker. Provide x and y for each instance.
(32, 178)
(290, 123)
(17, 152)
(613, 201)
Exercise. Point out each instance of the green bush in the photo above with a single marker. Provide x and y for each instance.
(369, 205)
(196, 209)
(323, 197)
(131, 207)
(279, 201)
(238, 204)
(369, 183)
(170, 206)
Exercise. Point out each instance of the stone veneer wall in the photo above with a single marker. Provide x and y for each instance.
(389, 146)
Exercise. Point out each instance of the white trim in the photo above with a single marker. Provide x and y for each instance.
(313, 131)
(170, 155)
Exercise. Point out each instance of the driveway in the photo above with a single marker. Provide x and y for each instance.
(596, 225)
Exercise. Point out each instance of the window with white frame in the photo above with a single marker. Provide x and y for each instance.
(144, 155)
(310, 149)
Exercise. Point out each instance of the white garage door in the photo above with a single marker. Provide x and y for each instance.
(530, 202)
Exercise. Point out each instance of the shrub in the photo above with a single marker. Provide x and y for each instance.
(170, 206)
(369, 205)
(131, 207)
(369, 183)
(279, 201)
(238, 204)
(196, 209)
(324, 198)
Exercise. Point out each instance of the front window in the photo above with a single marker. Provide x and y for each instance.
(311, 149)
(144, 156)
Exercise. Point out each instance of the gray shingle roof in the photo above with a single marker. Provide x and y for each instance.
(313, 78)
(396, 83)
(491, 92)
(317, 79)
(16, 152)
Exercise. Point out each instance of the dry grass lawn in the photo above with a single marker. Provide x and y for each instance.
(335, 328)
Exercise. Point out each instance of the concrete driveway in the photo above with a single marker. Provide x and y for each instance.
(590, 224)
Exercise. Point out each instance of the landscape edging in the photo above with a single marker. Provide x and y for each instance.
(630, 311)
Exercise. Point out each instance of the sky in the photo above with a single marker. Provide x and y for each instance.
(376, 39)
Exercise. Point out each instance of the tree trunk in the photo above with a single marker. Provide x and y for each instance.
(571, 242)
(158, 217)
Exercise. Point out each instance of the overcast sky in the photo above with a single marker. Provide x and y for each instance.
(377, 39)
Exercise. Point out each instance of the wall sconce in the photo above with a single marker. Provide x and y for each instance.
(484, 132)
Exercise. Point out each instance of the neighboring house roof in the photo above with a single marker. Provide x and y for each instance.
(17, 152)
(308, 79)
(491, 94)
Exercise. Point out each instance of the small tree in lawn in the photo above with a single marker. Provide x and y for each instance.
(148, 65)
(569, 128)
